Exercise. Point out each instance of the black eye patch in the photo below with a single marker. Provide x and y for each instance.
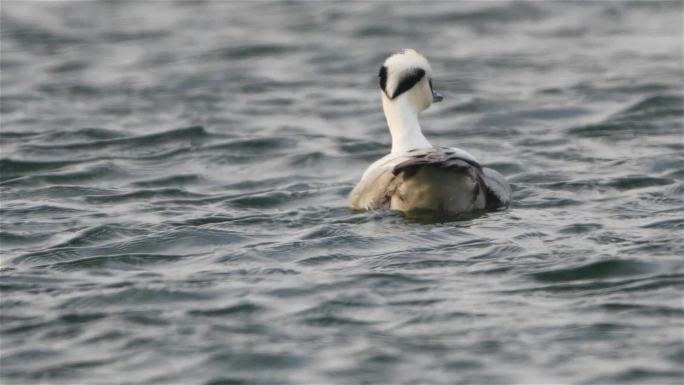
(383, 78)
(409, 80)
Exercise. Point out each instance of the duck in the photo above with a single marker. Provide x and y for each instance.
(417, 176)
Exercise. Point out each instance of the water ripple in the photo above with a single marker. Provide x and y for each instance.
(174, 176)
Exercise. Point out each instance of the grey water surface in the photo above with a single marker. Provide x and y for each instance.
(174, 179)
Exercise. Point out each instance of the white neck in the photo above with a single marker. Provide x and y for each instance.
(402, 119)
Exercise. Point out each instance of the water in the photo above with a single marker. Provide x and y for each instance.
(174, 181)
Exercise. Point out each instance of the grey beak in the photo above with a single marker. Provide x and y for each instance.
(436, 97)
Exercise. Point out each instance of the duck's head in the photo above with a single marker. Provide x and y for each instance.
(408, 75)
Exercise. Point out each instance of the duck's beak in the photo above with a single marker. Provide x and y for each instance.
(436, 97)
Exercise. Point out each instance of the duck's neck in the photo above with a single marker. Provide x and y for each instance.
(402, 120)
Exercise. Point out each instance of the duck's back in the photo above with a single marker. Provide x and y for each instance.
(435, 179)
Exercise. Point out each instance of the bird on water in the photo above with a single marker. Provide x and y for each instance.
(416, 176)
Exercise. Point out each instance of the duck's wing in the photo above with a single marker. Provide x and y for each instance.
(378, 183)
(439, 177)
(497, 187)
(441, 180)
(439, 157)
(381, 180)
(375, 187)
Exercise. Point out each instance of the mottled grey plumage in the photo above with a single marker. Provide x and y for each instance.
(435, 179)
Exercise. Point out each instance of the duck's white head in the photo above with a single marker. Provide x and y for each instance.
(408, 74)
(406, 84)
